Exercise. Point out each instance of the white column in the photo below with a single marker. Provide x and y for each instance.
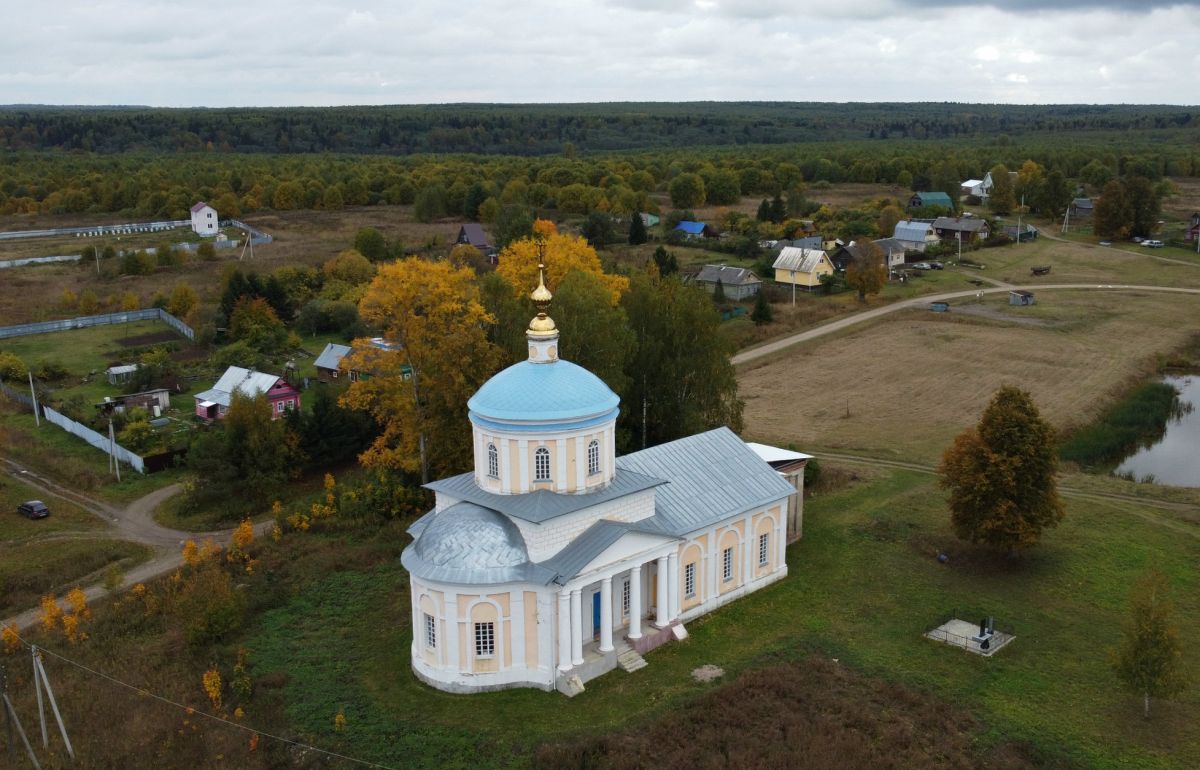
(635, 602)
(581, 468)
(560, 462)
(564, 630)
(504, 447)
(663, 601)
(606, 620)
(781, 543)
(523, 465)
(516, 627)
(452, 659)
(673, 583)
(750, 551)
(576, 628)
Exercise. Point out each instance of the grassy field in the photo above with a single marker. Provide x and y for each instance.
(51, 554)
(905, 386)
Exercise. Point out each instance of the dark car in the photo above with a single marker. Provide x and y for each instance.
(937, 265)
(33, 509)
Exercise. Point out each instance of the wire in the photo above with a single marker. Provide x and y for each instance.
(192, 711)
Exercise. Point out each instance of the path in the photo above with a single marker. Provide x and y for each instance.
(133, 522)
(923, 301)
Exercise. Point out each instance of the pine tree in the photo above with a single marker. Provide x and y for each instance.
(719, 293)
(764, 211)
(637, 229)
(1147, 662)
(666, 262)
(778, 210)
(1001, 475)
(762, 313)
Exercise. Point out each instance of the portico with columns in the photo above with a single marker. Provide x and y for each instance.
(554, 556)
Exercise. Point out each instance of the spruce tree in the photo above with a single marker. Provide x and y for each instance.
(719, 293)
(764, 211)
(778, 210)
(637, 229)
(762, 313)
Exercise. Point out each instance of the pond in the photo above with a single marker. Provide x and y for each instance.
(1175, 458)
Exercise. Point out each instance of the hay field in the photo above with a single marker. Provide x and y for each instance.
(905, 386)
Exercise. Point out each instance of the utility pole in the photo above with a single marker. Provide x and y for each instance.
(37, 419)
(1020, 210)
(11, 719)
(40, 680)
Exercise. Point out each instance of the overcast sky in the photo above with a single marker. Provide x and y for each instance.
(220, 53)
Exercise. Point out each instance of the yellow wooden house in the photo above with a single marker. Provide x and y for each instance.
(802, 267)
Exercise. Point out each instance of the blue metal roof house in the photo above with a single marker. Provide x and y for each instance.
(697, 229)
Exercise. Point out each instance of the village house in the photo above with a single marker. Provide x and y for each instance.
(204, 220)
(213, 403)
(472, 234)
(922, 199)
(328, 363)
(968, 229)
(1082, 208)
(737, 283)
(975, 189)
(891, 252)
(1193, 230)
(696, 230)
(915, 234)
(555, 561)
(802, 267)
(154, 401)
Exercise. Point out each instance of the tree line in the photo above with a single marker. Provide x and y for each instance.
(509, 129)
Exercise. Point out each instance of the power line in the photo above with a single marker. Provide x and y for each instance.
(192, 711)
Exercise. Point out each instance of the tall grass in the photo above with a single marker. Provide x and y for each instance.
(1137, 420)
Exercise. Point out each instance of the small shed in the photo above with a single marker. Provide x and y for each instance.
(939, 307)
(119, 375)
(1020, 297)
(790, 465)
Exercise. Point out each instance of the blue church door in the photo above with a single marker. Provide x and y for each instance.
(596, 615)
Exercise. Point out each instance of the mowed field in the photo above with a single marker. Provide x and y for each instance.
(904, 386)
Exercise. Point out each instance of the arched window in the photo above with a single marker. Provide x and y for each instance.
(594, 457)
(541, 464)
(493, 462)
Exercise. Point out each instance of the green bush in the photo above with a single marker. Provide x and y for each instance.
(1139, 418)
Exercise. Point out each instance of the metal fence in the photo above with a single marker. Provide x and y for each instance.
(97, 230)
(104, 319)
(7, 263)
(18, 396)
(97, 440)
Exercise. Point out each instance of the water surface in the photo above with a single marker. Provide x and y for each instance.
(1175, 459)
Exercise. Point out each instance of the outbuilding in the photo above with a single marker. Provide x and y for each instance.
(1020, 297)
(204, 220)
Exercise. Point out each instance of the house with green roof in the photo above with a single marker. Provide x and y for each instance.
(923, 199)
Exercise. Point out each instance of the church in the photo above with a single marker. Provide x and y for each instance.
(555, 561)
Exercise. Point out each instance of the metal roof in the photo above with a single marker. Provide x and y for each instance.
(774, 454)
(542, 392)
(934, 199)
(909, 230)
(474, 234)
(961, 224)
(580, 552)
(247, 382)
(799, 260)
(331, 356)
(890, 245)
(200, 207)
(729, 276)
(542, 505)
(467, 543)
(691, 228)
(711, 476)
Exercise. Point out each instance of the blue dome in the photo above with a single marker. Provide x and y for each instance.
(544, 392)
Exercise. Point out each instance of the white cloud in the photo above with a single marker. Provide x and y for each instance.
(274, 52)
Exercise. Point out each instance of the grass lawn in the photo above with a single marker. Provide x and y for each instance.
(863, 587)
(51, 554)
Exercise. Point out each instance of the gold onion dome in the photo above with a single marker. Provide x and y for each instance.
(542, 324)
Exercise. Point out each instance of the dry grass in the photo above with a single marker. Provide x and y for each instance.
(811, 714)
(906, 386)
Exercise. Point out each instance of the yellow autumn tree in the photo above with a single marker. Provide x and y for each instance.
(10, 637)
(438, 356)
(212, 687)
(561, 255)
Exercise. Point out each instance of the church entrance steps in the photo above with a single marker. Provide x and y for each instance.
(630, 661)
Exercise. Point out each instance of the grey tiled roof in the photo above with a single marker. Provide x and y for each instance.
(567, 563)
(542, 505)
(712, 476)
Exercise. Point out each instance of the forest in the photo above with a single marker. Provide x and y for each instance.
(514, 129)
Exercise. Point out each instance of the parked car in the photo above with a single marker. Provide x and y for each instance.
(937, 265)
(33, 509)
(1106, 243)
(922, 266)
(1153, 244)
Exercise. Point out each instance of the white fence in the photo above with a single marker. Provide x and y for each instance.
(129, 316)
(95, 439)
(7, 263)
